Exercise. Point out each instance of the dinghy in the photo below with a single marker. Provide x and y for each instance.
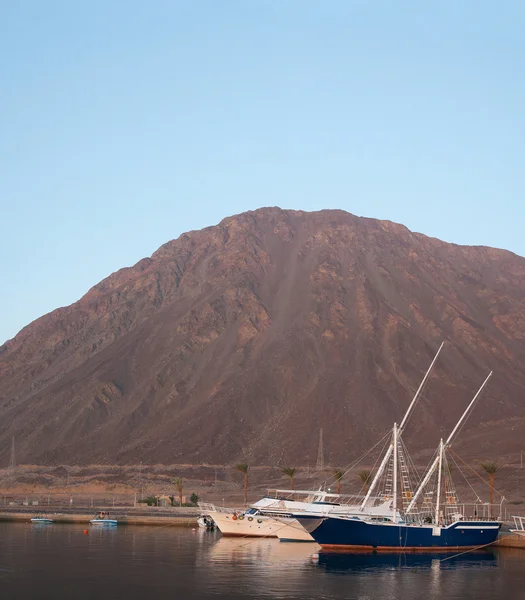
(41, 519)
(103, 519)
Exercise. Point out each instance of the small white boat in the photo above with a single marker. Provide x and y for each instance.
(102, 519)
(206, 522)
(41, 519)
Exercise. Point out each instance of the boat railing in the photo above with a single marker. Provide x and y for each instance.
(452, 514)
(207, 507)
(519, 523)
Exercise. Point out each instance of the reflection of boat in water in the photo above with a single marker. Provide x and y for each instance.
(260, 567)
(387, 561)
(102, 519)
(260, 551)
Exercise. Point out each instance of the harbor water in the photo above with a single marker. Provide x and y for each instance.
(62, 562)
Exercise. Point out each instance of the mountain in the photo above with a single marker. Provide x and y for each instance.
(242, 340)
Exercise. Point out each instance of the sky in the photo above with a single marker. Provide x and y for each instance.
(124, 124)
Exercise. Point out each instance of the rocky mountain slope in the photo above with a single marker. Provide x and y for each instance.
(242, 340)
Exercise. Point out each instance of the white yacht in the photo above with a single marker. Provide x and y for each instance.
(276, 514)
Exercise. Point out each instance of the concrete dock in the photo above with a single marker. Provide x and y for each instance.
(124, 517)
(510, 540)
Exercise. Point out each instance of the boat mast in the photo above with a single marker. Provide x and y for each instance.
(394, 477)
(400, 430)
(440, 469)
(447, 445)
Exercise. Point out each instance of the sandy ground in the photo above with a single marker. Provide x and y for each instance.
(108, 485)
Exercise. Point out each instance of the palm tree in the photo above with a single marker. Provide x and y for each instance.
(491, 467)
(243, 468)
(178, 482)
(290, 472)
(338, 475)
(365, 476)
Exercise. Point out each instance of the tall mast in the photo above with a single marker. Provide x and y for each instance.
(419, 389)
(440, 469)
(394, 476)
(447, 445)
(400, 430)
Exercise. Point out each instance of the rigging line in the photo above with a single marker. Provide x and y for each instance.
(415, 473)
(362, 457)
(410, 464)
(465, 478)
(467, 551)
(386, 439)
(475, 473)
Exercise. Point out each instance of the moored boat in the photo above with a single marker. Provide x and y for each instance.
(206, 522)
(238, 523)
(438, 523)
(340, 534)
(103, 519)
(41, 519)
(280, 514)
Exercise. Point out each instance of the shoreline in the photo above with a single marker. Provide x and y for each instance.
(83, 518)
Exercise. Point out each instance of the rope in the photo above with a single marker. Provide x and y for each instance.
(468, 482)
(362, 457)
(476, 473)
(467, 551)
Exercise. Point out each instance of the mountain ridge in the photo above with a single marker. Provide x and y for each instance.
(228, 339)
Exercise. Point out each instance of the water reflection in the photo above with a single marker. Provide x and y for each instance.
(269, 551)
(377, 561)
(61, 562)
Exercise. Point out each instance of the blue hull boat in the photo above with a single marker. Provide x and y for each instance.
(337, 533)
(435, 524)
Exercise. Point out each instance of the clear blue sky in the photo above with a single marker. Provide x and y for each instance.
(124, 124)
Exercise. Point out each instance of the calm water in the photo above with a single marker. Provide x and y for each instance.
(61, 562)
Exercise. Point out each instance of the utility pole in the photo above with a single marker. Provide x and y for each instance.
(12, 462)
(320, 452)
